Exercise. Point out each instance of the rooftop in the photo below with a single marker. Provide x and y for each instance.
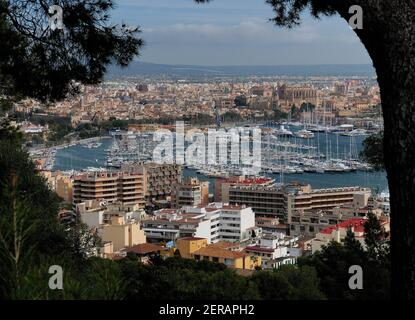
(144, 248)
(212, 251)
(191, 238)
(356, 223)
(259, 249)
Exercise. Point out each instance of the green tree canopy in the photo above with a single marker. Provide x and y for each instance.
(372, 151)
(38, 62)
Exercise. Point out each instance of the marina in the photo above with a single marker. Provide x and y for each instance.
(329, 159)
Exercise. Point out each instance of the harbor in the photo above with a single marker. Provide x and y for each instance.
(328, 159)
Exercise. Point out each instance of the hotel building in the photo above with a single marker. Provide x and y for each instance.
(280, 201)
(190, 192)
(268, 200)
(309, 222)
(325, 199)
(159, 179)
(110, 187)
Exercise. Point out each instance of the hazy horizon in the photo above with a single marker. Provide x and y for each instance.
(255, 65)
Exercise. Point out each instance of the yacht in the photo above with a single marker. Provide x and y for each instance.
(304, 134)
(283, 132)
(356, 132)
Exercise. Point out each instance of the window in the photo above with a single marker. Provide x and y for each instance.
(214, 259)
(229, 262)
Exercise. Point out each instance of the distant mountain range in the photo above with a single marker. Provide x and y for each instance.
(140, 69)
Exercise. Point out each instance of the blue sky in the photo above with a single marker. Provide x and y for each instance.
(235, 32)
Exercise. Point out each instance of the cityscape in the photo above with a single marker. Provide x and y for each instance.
(311, 127)
(161, 151)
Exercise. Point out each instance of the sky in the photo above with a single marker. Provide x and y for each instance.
(235, 32)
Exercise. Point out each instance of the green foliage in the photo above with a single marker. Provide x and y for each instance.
(307, 107)
(105, 279)
(376, 240)
(240, 101)
(200, 118)
(279, 115)
(30, 232)
(288, 12)
(231, 116)
(295, 112)
(334, 260)
(288, 283)
(38, 62)
(372, 151)
(58, 131)
(176, 278)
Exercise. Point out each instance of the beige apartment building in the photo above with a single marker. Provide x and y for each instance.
(60, 183)
(111, 187)
(122, 234)
(265, 201)
(94, 213)
(159, 179)
(310, 222)
(190, 192)
(325, 199)
(281, 201)
(222, 185)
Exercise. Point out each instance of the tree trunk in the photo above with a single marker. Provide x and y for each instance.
(390, 40)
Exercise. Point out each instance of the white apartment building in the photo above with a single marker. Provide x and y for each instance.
(275, 250)
(96, 213)
(215, 222)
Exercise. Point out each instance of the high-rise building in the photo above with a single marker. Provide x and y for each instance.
(265, 200)
(159, 179)
(111, 187)
(190, 192)
(222, 185)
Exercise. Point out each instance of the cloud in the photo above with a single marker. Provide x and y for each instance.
(236, 32)
(253, 31)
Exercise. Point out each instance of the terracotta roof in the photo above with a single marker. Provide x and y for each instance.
(224, 245)
(144, 248)
(191, 238)
(356, 223)
(216, 252)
